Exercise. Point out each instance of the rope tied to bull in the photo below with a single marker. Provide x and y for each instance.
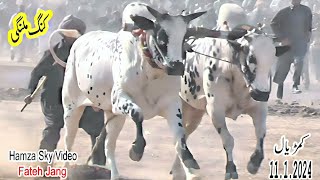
(189, 48)
(198, 32)
(238, 30)
(99, 139)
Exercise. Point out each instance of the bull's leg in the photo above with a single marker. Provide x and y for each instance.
(72, 115)
(173, 114)
(217, 114)
(114, 128)
(191, 120)
(123, 104)
(259, 116)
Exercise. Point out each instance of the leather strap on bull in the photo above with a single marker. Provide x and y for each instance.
(143, 39)
(144, 45)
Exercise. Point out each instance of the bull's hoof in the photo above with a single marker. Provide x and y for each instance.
(135, 156)
(191, 163)
(252, 169)
(179, 176)
(255, 162)
(193, 177)
(231, 171)
(137, 149)
(233, 175)
(187, 158)
(116, 178)
(182, 175)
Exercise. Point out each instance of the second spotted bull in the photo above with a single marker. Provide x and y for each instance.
(226, 79)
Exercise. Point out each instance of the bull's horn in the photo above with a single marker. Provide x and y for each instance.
(154, 12)
(193, 16)
(236, 34)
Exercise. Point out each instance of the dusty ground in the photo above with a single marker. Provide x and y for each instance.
(296, 116)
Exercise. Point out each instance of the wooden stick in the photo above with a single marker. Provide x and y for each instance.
(35, 91)
(99, 139)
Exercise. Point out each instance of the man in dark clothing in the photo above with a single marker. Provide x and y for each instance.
(293, 26)
(51, 97)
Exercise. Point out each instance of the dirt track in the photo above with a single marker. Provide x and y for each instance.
(22, 131)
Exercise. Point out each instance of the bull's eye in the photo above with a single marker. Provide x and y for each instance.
(252, 59)
(252, 67)
(162, 37)
(161, 43)
(245, 49)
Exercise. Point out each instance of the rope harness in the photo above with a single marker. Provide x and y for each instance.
(245, 72)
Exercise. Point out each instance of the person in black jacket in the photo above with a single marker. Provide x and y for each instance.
(293, 25)
(51, 96)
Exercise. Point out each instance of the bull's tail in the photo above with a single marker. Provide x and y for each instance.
(66, 32)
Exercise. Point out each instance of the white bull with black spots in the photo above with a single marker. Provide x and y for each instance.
(110, 71)
(226, 78)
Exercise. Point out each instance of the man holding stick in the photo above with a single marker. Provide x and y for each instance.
(51, 100)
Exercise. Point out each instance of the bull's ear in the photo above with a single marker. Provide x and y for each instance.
(142, 22)
(281, 50)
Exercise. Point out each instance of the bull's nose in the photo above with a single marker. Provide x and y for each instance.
(175, 64)
(259, 95)
(175, 68)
